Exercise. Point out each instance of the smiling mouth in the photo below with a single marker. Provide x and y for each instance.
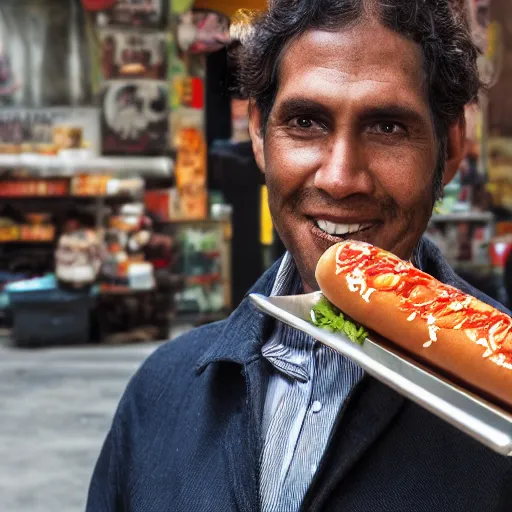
(340, 230)
(333, 232)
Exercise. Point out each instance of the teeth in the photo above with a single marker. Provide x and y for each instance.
(340, 229)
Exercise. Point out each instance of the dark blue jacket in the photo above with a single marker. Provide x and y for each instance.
(186, 436)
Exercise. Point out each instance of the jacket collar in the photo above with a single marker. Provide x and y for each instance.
(245, 330)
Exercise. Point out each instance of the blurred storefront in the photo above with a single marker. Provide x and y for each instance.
(106, 224)
(129, 195)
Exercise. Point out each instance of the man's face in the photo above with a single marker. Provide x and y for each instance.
(350, 150)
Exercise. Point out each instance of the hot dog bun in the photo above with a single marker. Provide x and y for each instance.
(433, 322)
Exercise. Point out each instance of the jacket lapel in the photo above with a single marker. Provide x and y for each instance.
(367, 412)
(243, 441)
(238, 351)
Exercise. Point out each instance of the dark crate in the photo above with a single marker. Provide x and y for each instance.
(50, 317)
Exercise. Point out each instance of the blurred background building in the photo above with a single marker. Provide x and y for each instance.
(129, 198)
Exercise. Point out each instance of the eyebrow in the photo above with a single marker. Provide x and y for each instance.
(393, 112)
(385, 112)
(302, 106)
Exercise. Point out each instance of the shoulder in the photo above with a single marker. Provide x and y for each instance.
(186, 350)
(169, 371)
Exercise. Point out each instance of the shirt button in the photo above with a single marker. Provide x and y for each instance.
(316, 406)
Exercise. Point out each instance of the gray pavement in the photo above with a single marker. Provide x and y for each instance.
(56, 406)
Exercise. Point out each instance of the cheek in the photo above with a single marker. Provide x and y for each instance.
(290, 164)
(405, 175)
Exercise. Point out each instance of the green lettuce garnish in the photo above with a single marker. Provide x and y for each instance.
(327, 316)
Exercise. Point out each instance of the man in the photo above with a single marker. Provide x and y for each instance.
(356, 121)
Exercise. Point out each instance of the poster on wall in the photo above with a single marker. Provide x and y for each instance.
(202, 31)
(194, 33)
(128, 54)
(187, 139)
(191, 173)
(134, 13)
(134, 117)
(186, 92)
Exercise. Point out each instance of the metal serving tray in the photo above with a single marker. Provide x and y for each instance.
(481, 420)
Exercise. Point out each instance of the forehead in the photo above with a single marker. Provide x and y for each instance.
(367, 62)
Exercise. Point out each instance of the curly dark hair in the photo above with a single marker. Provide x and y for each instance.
(440, 27)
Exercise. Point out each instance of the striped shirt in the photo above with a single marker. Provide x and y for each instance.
(304, 395)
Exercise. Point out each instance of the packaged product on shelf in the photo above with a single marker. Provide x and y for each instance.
(34, 188)
(499, 249)
(141, 276)
(9, 230)
(126, 239)
(158, 202)
(189, 203)
(132, 187)
(89, 185)
(37, 232)
(125, 54)
(78, 258)
(50, 131)
(37, 228)
(106, 185)
(134, 117)
(67, 137)
(201, 260)
(134, 13)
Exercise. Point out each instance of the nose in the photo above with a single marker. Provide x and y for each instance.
(344, 171)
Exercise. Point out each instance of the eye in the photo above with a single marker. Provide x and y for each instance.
(387, 128)
(301, 122)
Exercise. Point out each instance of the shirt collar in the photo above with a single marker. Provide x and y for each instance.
(289, 350)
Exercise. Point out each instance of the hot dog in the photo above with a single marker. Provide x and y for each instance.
(435, 323)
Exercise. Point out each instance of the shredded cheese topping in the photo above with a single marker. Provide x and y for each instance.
(362, 256)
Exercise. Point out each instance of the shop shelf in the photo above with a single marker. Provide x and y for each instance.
(27, 242)
(70, 197)
(464, 217)
(68, 166)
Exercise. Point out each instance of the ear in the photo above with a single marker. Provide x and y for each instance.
(256, 133)
(456, 145)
